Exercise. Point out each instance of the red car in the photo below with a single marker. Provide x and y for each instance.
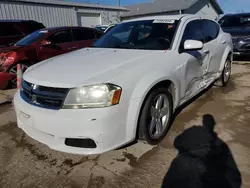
(41, 45)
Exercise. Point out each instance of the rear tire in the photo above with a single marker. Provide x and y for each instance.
(155, 118)
(225, 75)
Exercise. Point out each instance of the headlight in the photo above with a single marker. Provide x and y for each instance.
(93, 96)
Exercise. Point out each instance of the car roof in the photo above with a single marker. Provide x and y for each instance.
(53, 29)
(171, 17)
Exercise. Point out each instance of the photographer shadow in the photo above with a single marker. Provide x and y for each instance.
(203, 161)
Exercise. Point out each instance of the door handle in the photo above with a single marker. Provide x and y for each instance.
(206, 51)
(223, 42)
(72, 48)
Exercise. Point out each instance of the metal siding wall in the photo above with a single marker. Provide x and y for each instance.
(50, 16)
(107, 16)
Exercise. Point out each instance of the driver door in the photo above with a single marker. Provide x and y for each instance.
(196, 65)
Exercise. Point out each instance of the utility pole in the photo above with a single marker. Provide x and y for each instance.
(118, 13)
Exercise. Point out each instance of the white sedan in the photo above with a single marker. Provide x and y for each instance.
(125, 87)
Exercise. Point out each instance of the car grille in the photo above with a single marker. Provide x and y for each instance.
(42, 96)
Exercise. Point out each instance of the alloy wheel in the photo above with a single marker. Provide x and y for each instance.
(159, 113)
(227, 71)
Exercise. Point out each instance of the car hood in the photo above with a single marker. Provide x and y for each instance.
(237, 31)
(10, 49)
(85, 66)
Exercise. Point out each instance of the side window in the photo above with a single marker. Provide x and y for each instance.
(98, 35)
(211, 30)
(83, 34)
(89, 34)
(193, 31)
(60, 37)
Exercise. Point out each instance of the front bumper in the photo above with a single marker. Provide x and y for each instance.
(105, 126)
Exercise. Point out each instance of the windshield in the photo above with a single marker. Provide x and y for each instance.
(148, 35)
(235, 21)
(29, 39)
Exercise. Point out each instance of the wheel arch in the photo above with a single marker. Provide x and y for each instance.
(228, 53)
(135, 106)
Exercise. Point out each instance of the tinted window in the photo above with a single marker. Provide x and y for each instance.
(83, 34)
(149, 35)
(98, 35)
(211, 30)
(89, 34)
(29, 39)
(193, 31)
(9, 29)
(60, 37)
(235, 21)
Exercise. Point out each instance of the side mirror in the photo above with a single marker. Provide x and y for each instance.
(193, 45)
(45, 43)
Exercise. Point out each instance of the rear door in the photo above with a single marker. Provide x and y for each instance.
(9, 33)
(61, 42)
(213, 45)
(83, 37)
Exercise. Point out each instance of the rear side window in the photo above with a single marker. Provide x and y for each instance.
(210, 29)
(9, 29)
(193, 31)
(60, 37)
(83, 34)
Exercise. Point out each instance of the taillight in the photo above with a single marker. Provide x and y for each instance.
(6, 59)
(10, 57)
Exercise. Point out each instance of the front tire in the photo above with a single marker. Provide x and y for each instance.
(226, 73)
(155, 117)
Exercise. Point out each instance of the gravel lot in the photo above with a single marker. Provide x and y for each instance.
(27, 163)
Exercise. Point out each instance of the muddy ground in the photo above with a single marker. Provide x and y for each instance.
(27, 163)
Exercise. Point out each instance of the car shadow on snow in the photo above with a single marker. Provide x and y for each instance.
(203, 160)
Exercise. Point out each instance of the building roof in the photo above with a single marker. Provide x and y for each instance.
(70, 3)
(160, 6)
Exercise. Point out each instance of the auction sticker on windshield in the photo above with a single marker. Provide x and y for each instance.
(163, 21)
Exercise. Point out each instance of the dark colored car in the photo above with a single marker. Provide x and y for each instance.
(13, 30)
(110, 28)
(101, 28)
(44, 44)
(238, 25)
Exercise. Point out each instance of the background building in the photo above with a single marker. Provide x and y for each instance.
(208, 8)
(60, 13)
